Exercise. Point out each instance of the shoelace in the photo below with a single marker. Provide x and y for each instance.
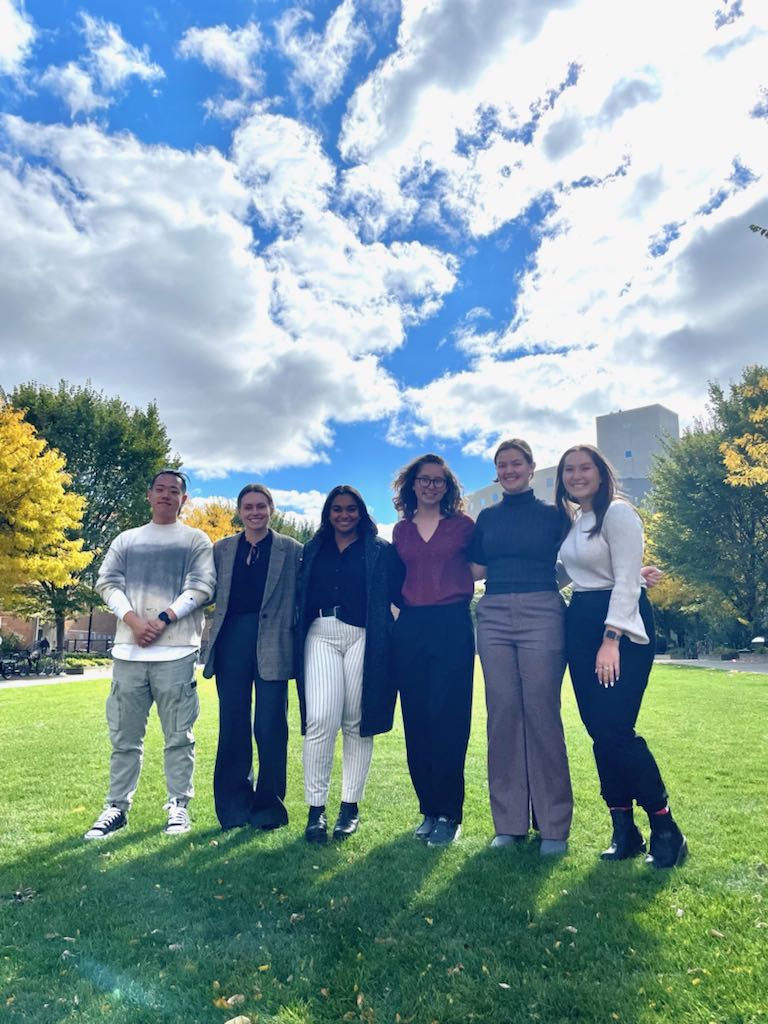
(108, 817)
(177, 815)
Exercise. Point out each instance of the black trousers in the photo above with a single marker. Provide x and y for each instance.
(626, 767)
(237, 681)
(434, 660)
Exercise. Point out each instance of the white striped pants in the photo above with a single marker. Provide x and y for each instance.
(333, 689)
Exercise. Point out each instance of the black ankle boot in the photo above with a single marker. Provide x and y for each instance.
(347, 822)
(668, 844)
(627, 841)
(317, 826)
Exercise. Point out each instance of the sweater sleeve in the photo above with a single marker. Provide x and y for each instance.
(110, 584)
(623, 532)
(200, 579)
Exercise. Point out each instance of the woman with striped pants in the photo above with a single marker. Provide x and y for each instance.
(348, 581)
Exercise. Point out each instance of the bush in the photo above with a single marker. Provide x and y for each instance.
(11, 642)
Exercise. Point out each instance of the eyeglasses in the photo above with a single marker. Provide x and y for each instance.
(437, 482)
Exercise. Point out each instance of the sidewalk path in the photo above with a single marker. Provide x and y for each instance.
(756, 664)
(91, 672)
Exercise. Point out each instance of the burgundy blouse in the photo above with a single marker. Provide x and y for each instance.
(436, 571)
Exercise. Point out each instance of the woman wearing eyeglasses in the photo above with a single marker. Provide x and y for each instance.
(348, 582)
(434, 643)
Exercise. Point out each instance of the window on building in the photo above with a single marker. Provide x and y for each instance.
(628, 453)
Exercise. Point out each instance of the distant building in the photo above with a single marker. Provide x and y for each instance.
(628, 439)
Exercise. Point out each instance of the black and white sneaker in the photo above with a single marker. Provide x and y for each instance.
(178, 819)
(111, 820)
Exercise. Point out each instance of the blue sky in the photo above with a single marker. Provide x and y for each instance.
(327, 236)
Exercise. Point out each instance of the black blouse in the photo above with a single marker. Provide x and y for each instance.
(249, 575)
(338, 579)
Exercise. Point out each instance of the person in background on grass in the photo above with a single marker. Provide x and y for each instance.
(610, 646)
(156, 579)
(434, 641)
(521, 642)
(251, 653)
(348, 581)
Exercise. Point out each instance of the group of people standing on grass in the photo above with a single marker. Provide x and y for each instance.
(324, 613)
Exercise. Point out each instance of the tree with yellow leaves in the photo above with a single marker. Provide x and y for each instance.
(215, 518)
(37, 513)
(746, 456)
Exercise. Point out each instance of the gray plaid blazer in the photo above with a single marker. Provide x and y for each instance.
(275, 646)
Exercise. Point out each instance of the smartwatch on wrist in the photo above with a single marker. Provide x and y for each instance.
(165, 617)
(611, 634)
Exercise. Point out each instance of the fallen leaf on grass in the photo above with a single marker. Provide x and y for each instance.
(324, 993)
(503, 984)
(295, 917)
(242, 1019)
(236, 1000)
(384, 940)
(761, 924)
(679, 912)
(571, 929)
(428, 920)
(221, 1002)
(360, 999)
(716, 934)
(263, 967)
(695, 981)
(456, 969)
(220, 897)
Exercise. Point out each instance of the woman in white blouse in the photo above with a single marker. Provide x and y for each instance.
(610, 648)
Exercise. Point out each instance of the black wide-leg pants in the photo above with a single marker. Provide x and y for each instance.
(627, 768)
(434, 660)
(237, 681)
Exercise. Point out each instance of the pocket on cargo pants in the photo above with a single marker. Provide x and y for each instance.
(188, 708)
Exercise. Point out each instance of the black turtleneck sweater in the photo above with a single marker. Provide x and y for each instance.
(518, 539)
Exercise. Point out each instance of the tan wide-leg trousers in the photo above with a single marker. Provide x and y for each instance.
(520, 639)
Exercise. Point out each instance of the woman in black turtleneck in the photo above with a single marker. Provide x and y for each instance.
(521, 642)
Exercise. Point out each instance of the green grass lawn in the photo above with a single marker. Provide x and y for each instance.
(145, 928)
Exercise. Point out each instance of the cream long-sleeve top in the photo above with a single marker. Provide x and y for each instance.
(611, 560)
(149, 569)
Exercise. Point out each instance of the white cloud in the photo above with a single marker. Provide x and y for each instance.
(113, 59)
(17, 33)
(74, 86)
(231, 52)
(645, 278)
(140, 257)
(321, 60)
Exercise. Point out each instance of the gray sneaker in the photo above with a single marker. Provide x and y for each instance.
(445, 832)
(108, 822)
(553, 847)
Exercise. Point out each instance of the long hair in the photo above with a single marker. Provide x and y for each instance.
(608, 490)
(366, 524)
(405, 496)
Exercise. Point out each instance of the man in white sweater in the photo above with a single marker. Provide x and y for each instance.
(156, 579)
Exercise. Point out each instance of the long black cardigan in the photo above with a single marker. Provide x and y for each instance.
(384, 574)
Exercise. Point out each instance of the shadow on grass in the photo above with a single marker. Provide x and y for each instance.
(321, 934)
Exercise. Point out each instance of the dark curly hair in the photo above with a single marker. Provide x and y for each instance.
(405, 496)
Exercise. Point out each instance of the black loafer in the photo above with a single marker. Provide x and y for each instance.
(317, 830)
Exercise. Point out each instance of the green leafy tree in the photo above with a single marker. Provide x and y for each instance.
(112, 451)
(712, 535)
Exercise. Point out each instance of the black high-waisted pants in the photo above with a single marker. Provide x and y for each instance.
(627, 768)
(237, 801)
(434, 659)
